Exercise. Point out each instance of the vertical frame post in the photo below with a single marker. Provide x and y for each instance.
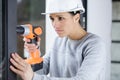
(9, 35)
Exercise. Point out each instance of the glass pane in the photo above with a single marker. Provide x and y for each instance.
(115, 52)
(116, 31)
(116, 10)
(115, 73)
(29, 12)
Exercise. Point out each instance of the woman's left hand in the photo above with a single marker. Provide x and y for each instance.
(20, 67)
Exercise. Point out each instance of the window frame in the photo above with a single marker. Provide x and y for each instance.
(9, 35)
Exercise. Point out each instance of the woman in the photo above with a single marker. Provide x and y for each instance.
(76, 54)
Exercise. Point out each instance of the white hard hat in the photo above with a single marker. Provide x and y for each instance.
(56, 6)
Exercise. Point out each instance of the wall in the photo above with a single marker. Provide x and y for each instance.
(50, 34)
(99, 22)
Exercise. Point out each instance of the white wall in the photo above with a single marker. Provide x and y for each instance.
(99, 22)
(50, 34)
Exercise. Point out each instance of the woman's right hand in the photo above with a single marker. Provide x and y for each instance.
(31, 47)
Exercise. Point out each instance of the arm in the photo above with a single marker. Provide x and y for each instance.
(46, 58)
(22, 68)
(92, 66)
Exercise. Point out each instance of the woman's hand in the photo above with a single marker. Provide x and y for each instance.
(20, 67)
(31, 47)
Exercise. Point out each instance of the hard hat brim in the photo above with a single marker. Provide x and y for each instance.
(79, 9)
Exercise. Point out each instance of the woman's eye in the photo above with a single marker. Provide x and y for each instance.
(60, 18)
(52, 19)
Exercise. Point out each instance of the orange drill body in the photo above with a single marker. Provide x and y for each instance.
(30, 32)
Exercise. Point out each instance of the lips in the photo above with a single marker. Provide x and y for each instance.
(59, 31)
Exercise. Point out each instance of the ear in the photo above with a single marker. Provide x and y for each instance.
(77, 18)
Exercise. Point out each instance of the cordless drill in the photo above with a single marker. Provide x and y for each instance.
(31, 32)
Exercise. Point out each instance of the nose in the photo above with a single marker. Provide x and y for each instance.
(55, 23)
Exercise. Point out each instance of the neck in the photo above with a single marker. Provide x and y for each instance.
(78, 33)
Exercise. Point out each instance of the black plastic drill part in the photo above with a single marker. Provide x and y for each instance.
(37, 67)
(34, 40)
(20, 30)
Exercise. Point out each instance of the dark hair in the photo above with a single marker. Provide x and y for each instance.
(74, 13)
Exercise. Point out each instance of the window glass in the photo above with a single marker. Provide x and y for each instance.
(116, 31)
(29, 12)
(116, 10)
(115, 51)
(115, 72)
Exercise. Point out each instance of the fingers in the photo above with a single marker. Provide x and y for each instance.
(31, 47)
(18, 59)
(18, 62)
(21, 68)
(15, 70)
(26, 40)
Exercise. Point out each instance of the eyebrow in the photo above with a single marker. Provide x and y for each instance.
(60, 15)
(57, 16)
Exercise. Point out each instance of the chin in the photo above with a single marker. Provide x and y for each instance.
(60, 35)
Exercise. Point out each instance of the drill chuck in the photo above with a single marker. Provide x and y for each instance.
(29, 31)
(22, 30)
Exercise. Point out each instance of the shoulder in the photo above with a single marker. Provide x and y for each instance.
(89, 41)
(93, 44)
(93, 39)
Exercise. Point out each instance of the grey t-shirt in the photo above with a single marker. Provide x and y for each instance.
(83, 59)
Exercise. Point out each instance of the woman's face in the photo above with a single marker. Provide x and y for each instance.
(63, 23)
